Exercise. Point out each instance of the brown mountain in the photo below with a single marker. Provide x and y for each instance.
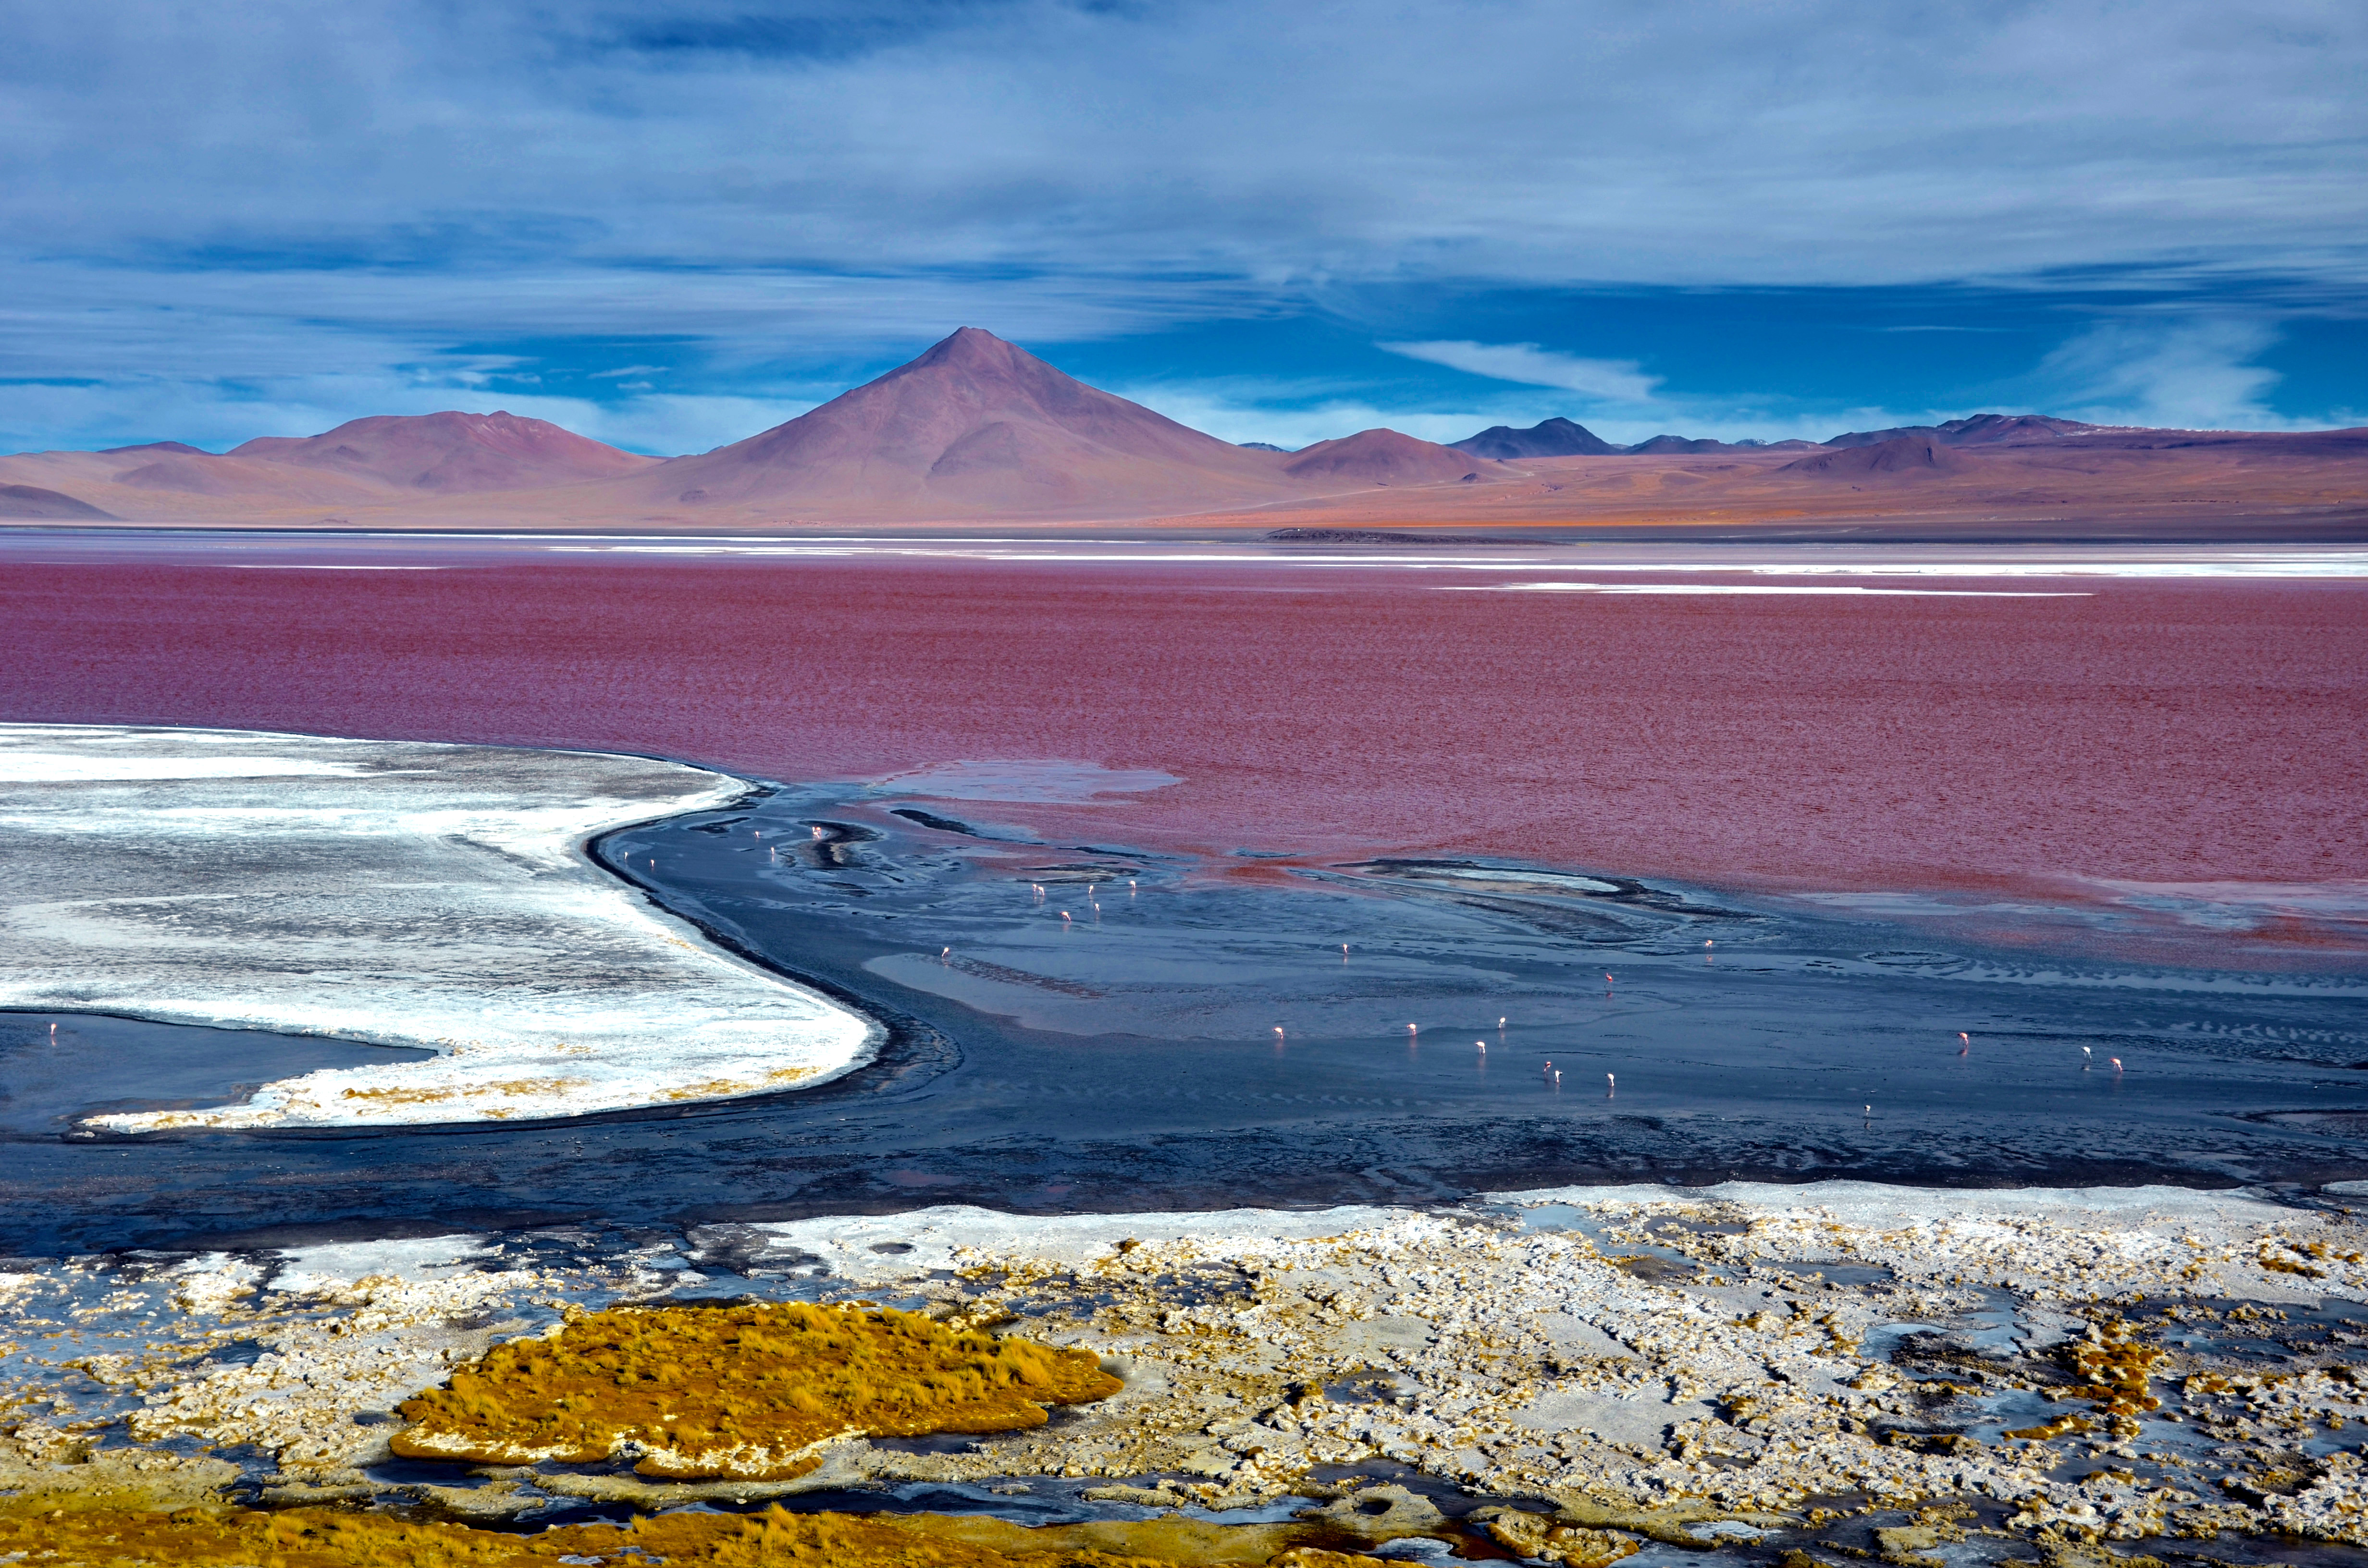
(30, 503)
(455, 454)
(1981, 430)
(1921, 454)
(978, 432)
(974, 428)
(1665, 445)
(1547, 439)
(1385, 457)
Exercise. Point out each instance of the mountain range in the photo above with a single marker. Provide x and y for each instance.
(978, 430)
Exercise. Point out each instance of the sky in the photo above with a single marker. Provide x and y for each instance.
(671, 223)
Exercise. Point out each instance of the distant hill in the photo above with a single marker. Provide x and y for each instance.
(30, 503)
(1260, 447)
(1386, 457)
(1917, 454)
(1981, 430)
(1560, 437)
(453, 453)
(978, 432)
(1548, 438)
(1662, 444)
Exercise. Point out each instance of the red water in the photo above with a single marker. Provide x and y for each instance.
(2162, 733)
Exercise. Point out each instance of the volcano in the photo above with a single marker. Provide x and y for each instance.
(974, 428)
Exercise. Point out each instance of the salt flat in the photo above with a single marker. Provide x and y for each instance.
(2022, 1373)
(393, 892)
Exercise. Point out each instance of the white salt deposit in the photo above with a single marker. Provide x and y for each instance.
(391, 892)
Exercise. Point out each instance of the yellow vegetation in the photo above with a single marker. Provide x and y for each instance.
(320, 1537)
(2114, 1369)
(1551, 1540)
(746, 1393)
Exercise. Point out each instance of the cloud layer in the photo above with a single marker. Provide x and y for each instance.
(280, 207)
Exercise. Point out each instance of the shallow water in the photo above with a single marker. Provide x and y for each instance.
(56, 1068)
(2170, 745)
(1128, 1057)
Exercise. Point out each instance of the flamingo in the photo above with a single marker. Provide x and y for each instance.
(1612, 1083)
(1278, 1034)
(2116, 1062)
(1065, 917)
(1483, 1045)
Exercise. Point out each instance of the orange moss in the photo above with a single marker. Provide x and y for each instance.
(745, 1393)
(320, 1537)
(1576, 1546)
(2115, 1372)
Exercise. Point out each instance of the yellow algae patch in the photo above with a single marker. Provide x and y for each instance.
(718, 1088)
(746, 1393)
(320, 1537)
(514, 1086)
(2115, 1371)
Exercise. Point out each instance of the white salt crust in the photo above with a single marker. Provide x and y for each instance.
(1532, 1361)
(391, 892)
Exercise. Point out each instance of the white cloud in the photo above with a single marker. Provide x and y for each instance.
(1246, 409)
(1234, 410)
(2175, 374)
(1212, 139)
(371, 184)
(1613, 381)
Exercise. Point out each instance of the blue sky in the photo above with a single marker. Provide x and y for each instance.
(671, 223)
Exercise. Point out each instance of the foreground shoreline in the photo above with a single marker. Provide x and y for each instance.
(1741, 1370)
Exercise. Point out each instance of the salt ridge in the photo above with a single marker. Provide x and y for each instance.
(397, 893)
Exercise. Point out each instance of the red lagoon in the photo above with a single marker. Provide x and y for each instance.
(2173, 733)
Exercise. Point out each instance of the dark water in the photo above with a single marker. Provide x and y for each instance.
(1127, 1057)
(56, 1068)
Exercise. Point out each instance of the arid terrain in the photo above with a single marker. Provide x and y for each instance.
(977, 431)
